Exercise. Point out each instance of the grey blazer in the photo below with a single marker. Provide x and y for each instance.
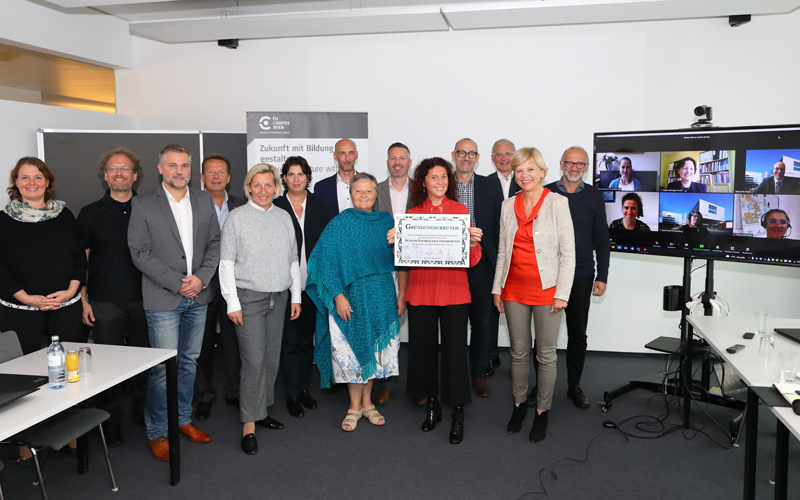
(384, 201)
(157, 251)
(553, 238)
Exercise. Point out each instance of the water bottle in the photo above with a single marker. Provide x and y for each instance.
(56, 364)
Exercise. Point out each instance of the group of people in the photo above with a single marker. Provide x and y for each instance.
(300, 277)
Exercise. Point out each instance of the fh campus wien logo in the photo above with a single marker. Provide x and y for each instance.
(273, 123)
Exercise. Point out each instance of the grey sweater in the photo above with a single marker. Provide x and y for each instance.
(263, 249)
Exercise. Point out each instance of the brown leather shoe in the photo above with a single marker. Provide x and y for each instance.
(194, 434)
(420, 401)
(481, 387)
(160, 448)
(384, 393)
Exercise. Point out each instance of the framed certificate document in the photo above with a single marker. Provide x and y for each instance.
(431, 240)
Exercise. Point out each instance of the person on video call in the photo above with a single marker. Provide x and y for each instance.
(631, 211)
(625, 181)
(685, 169)
(777, 223)
(778, 183)
(694, 224)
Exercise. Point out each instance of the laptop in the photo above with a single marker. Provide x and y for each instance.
(792, 333)
(13, 387)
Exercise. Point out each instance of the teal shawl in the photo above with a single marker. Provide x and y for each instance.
(352, 257)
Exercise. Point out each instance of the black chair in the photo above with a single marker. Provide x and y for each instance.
(57, 431)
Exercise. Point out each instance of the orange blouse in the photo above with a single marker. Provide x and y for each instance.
(524, 284)
(440, 286)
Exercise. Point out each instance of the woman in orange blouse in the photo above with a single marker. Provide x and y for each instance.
(438, 296)
(535, 267)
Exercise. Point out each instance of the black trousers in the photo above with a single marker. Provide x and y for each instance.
(480, 290)
(122, 323)
(424, 368)
(204, 390)
(577, 313)
(297, 347)
(34, 328)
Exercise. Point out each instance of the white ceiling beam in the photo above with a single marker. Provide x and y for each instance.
(71, 4)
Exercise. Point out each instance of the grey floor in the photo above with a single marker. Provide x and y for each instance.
(313, 458)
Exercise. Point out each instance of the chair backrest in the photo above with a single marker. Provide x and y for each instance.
(9, 346)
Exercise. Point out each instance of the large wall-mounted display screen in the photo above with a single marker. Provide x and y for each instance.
(715, 193)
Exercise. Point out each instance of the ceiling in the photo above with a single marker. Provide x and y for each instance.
(184, 21)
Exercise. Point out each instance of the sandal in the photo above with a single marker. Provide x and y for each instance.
(352, 418)
(373, 416)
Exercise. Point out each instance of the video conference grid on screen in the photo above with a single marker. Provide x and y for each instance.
(720, 193)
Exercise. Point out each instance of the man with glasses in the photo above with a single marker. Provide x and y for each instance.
(591, 236)
(112, 297)
(483, 198)
(778, 183)
(502, 152)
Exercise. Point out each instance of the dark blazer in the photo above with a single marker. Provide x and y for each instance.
(513, 188)
(384, 201)
(791, 185)
(157, 251)
(326, 191)
(316, 218)
(488, 200)
(694, 187)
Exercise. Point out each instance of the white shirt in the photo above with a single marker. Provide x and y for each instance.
(182, 211)
(505, 183)
(399, 198)
(343, 194)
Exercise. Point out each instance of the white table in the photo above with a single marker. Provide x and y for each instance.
(111, 366)
(721, 333)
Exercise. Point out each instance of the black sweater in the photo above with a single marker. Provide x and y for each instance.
(591, 230)
(40, 257)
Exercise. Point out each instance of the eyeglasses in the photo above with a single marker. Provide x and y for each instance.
(507, 154)
(782, 222)
(461, 154)
(574, 164)
(114, 170)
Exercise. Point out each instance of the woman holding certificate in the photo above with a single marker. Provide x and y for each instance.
(439, 296)
(533, 278)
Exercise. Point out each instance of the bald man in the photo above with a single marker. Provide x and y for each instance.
(335, 190)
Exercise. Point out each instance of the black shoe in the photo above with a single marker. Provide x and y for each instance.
(457, 429)
(294, 407)
(113, 435)
(539, 429)
(576, 395)
(232, 402)
(249, 444)
(307, 401)
(333, 389)
(495, 362)
(271, 424)
(203, 411)
(433, 414)
(533, 397)
(489, 372)
(515, 424)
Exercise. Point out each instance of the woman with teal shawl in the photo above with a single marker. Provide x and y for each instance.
(350, 281)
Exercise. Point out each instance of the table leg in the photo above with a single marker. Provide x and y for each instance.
(172, 422)
(750, 445)
(781, 462)
(83, 454)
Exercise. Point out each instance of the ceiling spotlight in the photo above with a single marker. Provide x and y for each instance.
(736, 21)
(233, 43)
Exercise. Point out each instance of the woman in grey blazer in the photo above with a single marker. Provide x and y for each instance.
(533, 278)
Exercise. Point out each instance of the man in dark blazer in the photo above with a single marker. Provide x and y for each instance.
(502, 152)
(335, 190)
(482, 197)
(393, 194)
(216, 176)
(778, 183)
(173, 236)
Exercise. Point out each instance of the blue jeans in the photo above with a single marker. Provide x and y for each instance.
(181, 329)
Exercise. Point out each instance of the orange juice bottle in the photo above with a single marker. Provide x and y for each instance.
(72, 366)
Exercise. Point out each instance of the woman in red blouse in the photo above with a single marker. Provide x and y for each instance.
(439, 296)
(535, 267)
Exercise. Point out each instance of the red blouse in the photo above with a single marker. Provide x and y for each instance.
(524, 283)
(440, 286)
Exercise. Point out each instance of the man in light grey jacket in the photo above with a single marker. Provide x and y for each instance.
(173, 237)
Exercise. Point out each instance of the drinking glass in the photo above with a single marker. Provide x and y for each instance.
(788, 365)
(766, 349)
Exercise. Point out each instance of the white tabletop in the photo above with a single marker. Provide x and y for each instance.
(111, 365)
